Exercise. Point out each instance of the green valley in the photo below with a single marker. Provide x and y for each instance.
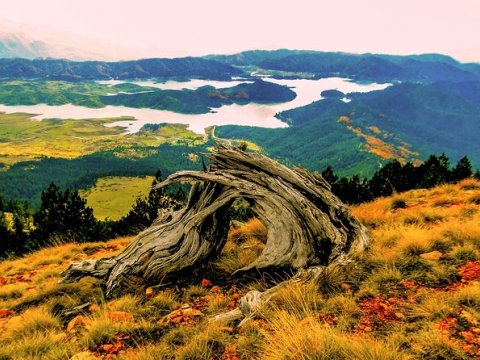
(431, 107)
(112, 197)
(406, 121)
(24, 139)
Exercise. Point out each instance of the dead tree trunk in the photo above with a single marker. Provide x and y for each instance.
(308, 226)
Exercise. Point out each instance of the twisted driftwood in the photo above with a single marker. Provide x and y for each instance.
(308, 227)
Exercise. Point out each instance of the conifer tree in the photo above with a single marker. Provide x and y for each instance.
(462, 170)
(64, 215)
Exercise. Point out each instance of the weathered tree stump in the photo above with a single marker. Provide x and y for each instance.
(308, 226)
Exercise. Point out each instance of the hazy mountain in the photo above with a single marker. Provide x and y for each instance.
(18, 44)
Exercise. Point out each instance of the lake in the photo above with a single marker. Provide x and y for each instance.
(261, 115)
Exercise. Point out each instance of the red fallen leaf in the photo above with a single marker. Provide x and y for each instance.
(236, 296)
(4, 313)
(408, 283)
(230, 353)
(25, 278)
(112, 348)
(232, 305)
(448, 323)
(184, 316)
(3, 281)
(107, 347)
(206, 283)
(327, 319)
(470, 271)
(200, 303)
(377, 311)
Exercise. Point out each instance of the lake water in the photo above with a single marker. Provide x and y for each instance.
(179, 85)
(250, 114)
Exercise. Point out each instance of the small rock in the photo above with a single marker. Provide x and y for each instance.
(120, 316)
(432, 256)
(77, 323)
(149, 292)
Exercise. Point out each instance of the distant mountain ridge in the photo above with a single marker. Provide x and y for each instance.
(431, 106)
(55, 69)
(369, 67)
(362, 67)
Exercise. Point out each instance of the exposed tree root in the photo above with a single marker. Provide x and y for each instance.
(308, 228)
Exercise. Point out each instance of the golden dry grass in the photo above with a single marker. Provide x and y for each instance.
(244, 245)
(442, 215)
(414, 294)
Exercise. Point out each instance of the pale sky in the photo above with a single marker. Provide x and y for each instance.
(149, 28)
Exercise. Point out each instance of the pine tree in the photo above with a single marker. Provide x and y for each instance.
(462, 170)
(6, 237)
(434, 171)
(65, 214)
(329, 175)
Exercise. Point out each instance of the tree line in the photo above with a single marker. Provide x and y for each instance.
(64, 216)
(396, 177)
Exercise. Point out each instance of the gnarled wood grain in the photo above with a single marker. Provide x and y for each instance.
(307, 225)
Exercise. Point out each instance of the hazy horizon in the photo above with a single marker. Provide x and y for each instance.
(117, 30)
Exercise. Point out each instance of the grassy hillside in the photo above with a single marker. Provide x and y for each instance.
(113, 196)
(24, 139)
(407, 122)
(315, 139)
(414, 295)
